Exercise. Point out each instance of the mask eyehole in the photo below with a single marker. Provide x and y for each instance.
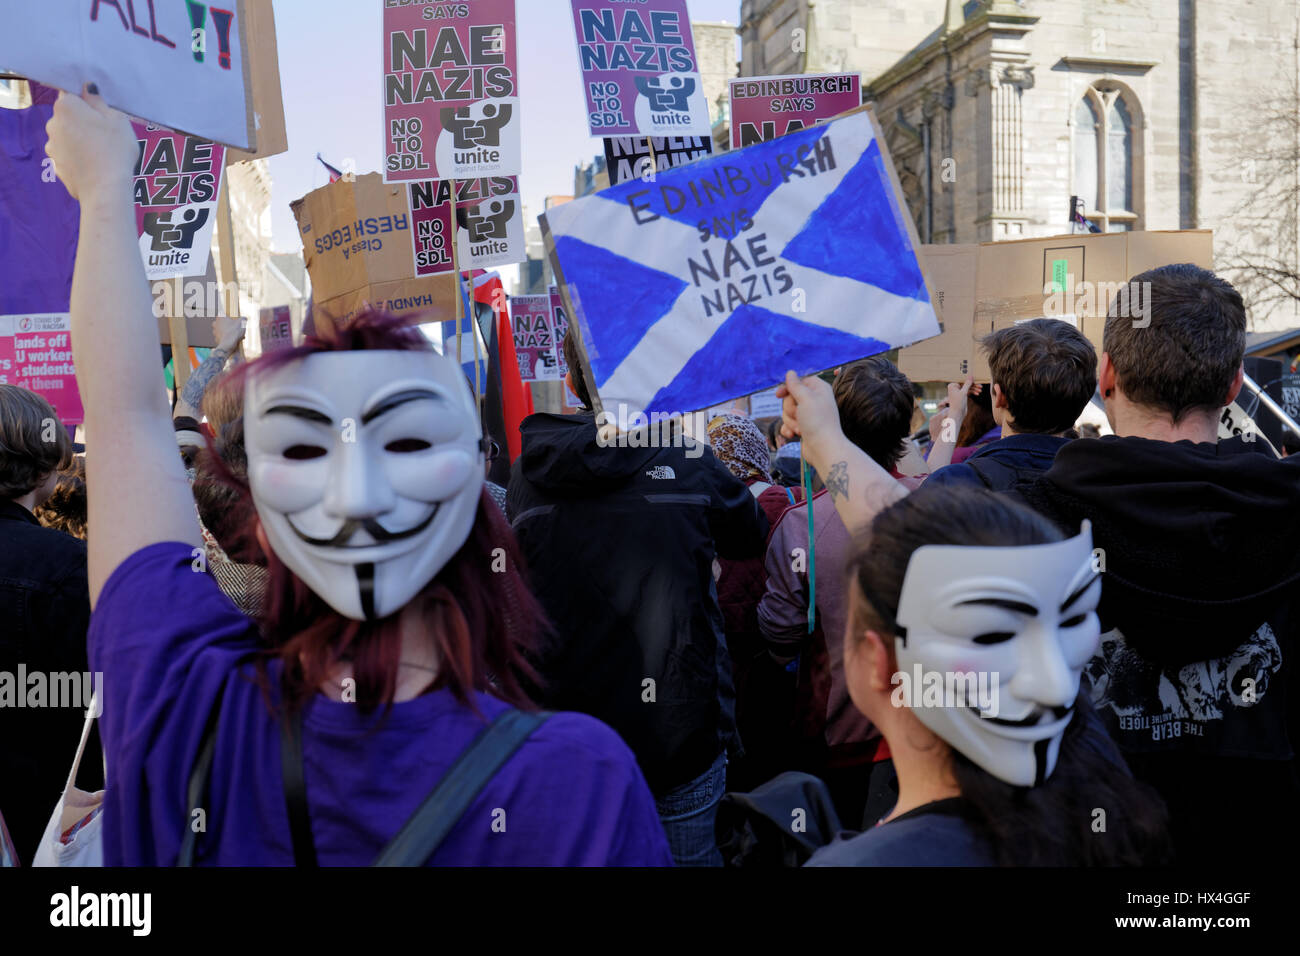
(304, 452)
(404, 446)
(995, 637)
(1075, 621)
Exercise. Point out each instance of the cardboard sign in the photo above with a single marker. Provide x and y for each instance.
(36, 354)
(638, 68)
(264, 81)
(177, 181)
(719, 276)
(765, 107)
(276, 328)
(630, 157)
(357, 243)
(451, 90)
(180, 65)
(1074, 278)
(534, 332)
(494, 216)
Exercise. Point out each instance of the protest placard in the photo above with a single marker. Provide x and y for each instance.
(36, 354)
(719, 276)
(357, 243)
(639, 71)
(264, 82)
(1075, 278)
(177, 180)
(179, 65)
(630, 157)
(275, 327)
(490, 233)
(765, 107)
(534, 332)
(560, 322)
(451, 91)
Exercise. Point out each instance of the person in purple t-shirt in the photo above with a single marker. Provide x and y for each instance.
(397, 617)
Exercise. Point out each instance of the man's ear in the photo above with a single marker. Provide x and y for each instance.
(568, 383)
(1106, 377)
(1235, 388)
(999, 397)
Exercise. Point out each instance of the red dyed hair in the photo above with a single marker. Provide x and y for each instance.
(483, 623)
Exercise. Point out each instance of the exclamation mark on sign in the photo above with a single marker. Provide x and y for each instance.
(198, 14)
(221, 20)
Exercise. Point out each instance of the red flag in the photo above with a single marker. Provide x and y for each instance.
(335, 173)
(516, 397)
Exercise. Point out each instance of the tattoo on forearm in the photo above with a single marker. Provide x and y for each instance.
(837, 482)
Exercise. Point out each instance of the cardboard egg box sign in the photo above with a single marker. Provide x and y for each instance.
(199, 68)
(356, 238)
(1074, 278)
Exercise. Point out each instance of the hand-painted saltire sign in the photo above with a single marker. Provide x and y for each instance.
(177, 179)
(765, 107)
(639, 71)
(451, 90)
(534, 334)
(180, 64)
(490, 217)
(713, 280)
(630, 157)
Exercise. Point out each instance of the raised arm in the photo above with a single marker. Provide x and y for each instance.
(860, 488)
(950, 415)
(135, 482)
(227, 333)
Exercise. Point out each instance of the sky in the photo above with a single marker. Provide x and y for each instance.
(331, 65)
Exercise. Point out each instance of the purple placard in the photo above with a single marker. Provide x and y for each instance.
(639, 70)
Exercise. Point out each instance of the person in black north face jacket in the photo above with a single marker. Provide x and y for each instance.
(620, 544)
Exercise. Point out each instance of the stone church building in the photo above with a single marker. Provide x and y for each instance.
(1158, 114)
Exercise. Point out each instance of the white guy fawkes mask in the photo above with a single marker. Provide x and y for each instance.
(1021, 619)
(365, 469)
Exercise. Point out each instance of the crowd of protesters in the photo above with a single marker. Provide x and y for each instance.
(317, 623)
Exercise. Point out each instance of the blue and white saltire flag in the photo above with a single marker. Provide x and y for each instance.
(711, 280)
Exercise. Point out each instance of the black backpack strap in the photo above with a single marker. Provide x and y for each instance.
(417, 841)
(295, 789)
(197, 790)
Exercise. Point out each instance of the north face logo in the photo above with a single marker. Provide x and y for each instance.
(661, 472)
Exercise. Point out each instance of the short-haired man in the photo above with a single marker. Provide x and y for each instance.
(1043, 374)
(875, 402)
(1196, 542)
(44, 611)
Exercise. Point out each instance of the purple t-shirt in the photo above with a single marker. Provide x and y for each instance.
(167, 639)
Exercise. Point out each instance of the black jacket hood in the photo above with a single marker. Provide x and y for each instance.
(1200, 542)
(561, 454)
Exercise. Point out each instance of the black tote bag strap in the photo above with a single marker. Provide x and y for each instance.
(197, 790)
(417, 841)
(295, 789)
